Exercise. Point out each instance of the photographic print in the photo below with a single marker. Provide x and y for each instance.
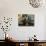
(25, 20)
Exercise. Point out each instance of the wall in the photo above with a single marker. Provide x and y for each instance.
(11, 8)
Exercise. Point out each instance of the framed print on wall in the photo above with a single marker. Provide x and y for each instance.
(26, 19)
